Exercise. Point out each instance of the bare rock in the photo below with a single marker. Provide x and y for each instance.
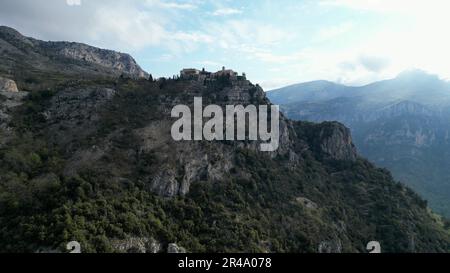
(336, 142)
(8, 85)
(330, 140)
(107, 58)
(166, 184)
(174, 248)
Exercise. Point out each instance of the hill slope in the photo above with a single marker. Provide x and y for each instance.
(93, 161)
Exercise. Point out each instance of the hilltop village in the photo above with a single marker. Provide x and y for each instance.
(192, 73)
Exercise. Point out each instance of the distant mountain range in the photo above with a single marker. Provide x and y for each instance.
(402, 124)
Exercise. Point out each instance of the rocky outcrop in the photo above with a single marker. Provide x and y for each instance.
(305, 202)
(121, 62)
(336, 142)
(64, 57)
(175, 249)
(180, 164)
(166, 184)
(195, 163)
(192, 166)
(8, 85)
(329, 140)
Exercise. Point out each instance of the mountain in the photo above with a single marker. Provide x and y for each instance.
(310, 91)
(29, 60)
(93, 160)
(402, 124)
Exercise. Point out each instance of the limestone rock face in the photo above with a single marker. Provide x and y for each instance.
(8, 85)
(67, 57)
(337, 142)
(330, 140)
(174, 248)
(166, 184)
(193, 165)
(107, 58)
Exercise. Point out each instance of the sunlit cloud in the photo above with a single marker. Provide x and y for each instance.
(226, 11)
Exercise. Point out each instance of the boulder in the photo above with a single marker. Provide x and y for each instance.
(8, 85)
(174, 248)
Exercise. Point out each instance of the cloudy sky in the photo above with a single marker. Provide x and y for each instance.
(275, 42)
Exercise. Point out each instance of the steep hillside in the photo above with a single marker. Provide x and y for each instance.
(93, 160)
(96, 163)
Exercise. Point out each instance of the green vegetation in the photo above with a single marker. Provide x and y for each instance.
(254, 209)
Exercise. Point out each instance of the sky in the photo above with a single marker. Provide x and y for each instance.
(276, 43)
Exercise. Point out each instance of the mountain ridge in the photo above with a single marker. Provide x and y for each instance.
(396, 123)
(68, 59)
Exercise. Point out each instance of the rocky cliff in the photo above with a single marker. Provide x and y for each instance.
(26, 60)
(120, 62)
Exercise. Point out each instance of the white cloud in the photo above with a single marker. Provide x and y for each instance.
(409, 34)
(226, 11)
(378, 5)
(412, 7)
(171, 5)
(373, 63)
(246, 35)
(334, 31)
(126, 26)
(210, 65)
(267, 56)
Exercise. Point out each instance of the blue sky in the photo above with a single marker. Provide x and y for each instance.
(275, 42)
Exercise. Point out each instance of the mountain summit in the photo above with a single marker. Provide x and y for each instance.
(416, 74)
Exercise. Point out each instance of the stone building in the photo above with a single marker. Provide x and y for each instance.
(226, 72)
(189, 72)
